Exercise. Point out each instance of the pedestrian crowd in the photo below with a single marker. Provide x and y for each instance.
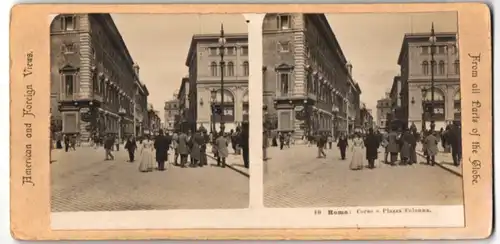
(397, 143)
(189, 148)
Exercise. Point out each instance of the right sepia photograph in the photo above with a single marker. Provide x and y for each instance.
(361, 110)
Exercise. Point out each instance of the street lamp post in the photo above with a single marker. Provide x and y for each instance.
(121, 113)
(347, 110)
(213, 96)
(424, 93)
(432, 40)
(335, 110)
(222, 49)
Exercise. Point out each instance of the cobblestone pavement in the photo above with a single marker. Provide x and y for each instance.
(294, 177)
(83, 181)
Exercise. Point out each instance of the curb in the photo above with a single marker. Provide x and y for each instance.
(231, 167)
(440, 164)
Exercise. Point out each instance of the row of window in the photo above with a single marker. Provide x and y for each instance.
(229, 69)
(440, 68)
(228, 51)
(438, 49)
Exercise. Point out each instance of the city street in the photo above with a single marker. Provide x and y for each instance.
(294, 177)
(97, 185)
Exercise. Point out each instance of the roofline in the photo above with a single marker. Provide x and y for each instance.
(197, 37)
(408, 36)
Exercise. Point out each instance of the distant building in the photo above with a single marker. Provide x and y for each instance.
(384, 112)
(366, 117)
(415, 63)
(154, 119)
(306, 76)
(171, 112)
(203, 61)
(184, 113)
(94, 82)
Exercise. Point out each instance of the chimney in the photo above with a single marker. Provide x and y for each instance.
(349, 68)
(136, 69)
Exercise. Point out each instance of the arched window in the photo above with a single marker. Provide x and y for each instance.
(230, 69)
(438, 95)
(425, 68)
(456, 66)
(227, 107)
(245, 106)
(213, 69)
(441, 67)
(246, 70)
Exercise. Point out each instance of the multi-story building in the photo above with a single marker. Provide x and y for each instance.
(154, 120)
(399, 100)
(182, 98)
(366, 117)
(307, 80)
(415, 63)
(171, 111)
(93, 79)
(204, 64)
(384, 112)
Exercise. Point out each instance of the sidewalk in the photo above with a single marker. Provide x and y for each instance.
(233, 161)
(443, 160)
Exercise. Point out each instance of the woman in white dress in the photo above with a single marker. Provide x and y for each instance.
(146, 156)
(357, 149)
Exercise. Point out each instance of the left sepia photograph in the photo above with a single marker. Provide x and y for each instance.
(149, 112)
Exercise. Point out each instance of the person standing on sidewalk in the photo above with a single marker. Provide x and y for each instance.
(108, 146)
(431, 147)
(330, 140)
(371, 143)
(392, 146)
(173, 145)
(455, 141)
(244, 143)
(195, 154)
(412, 140)
(203, 149)
(161, 145)
(282, 140)
(146, 156)
(342, 144)
(182, 148)
(222, 152)
(321, 145)
(131, 147)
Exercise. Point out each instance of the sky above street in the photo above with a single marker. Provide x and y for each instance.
(371, 42)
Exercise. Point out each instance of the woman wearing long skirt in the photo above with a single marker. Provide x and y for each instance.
(147, 162)
(357, 149)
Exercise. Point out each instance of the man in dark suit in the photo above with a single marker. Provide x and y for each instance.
(162, 144)
(455, 141)
(243, 142)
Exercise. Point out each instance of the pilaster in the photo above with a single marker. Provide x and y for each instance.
(85, 58)
(299, 55)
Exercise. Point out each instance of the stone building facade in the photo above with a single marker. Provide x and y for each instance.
(94, 83)
(415, 64)
(384, 112)
(171, 111)
(203, 60)
(183, 104)
(306, 76)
